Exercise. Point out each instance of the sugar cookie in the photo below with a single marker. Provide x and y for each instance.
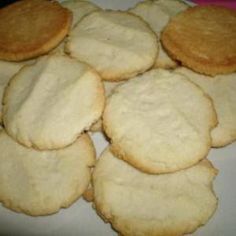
(138, 204)
(49, 104)
(117, 44)
(41, 182)
(222, 90)
(31, 28)
(203, 38)
(159, 122)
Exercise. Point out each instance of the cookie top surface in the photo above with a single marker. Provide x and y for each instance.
(154, 122)
(157, 14)
(79, 9)
(117, 44)
(28, 32)
(203, 38)
(41, 182)
(140, 204)
(7, 70)
(49, 104)
(221, 89)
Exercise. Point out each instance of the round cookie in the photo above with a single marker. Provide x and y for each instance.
(138, 204)
(49, 104)
(203, 38)
(221, 89)
(29, 32)
(159, 122)
(157, 14)
(79, 9)
(117, 44)
(41, 182)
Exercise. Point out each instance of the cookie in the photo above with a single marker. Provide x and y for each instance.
(203, 38)
(109, 87)
(157, 14)
(79, 9)
(221, 89)
(41, 182)
(117, 44)
(159, 122)
(138, 204)
(28, 32)
(49, 104)
(7, 70)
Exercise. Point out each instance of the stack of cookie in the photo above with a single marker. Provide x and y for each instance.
(49, 102)
(119, 72)
(154, 178)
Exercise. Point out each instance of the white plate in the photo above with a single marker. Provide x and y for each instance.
(80, 219)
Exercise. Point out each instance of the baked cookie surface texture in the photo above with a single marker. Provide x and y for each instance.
(139, 204)
(157, 14)
(117, 44)
(49, 104)
(203, 38)
(41, 182)
(25, 34)
(222, 90)
(7, 71)
(159, 122)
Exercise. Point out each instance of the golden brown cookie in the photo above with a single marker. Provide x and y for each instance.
(32, 28)
(204, 39)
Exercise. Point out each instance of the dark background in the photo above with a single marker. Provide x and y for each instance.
(6, 2)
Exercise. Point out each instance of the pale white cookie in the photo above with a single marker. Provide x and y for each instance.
(109, 87)
(222, 90)
(7, 70)
(79, 9)
(41, 182)
(117, 44)
(159, 122)
(157, 14)
(49, 104)
(139, 204)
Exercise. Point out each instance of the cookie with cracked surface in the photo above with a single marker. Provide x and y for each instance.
(221, 89)
(117, 44)
(159, 122)
(203, 38)
(157, 14)
(29, 32)
(47, 105)
(139, 204)
(41, 182)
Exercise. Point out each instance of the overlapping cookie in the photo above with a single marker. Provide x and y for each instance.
(152, 122)
(49, 104)
(109, 87)
(117, 44)
(203, 38)
(31, 28)
(157, 14)
(138, 204)
(79, 9)
(41, 182)
(222, 90)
